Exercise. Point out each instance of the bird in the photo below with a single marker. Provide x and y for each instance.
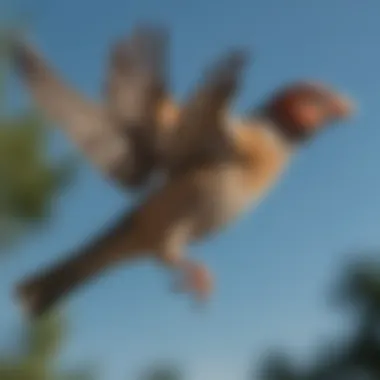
(205, 198)
(130, 135)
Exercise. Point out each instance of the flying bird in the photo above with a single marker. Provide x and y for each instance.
(202, 199)
(117, 134)
(131, 134)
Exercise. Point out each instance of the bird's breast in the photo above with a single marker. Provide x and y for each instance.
(226, 199)
(235, 187)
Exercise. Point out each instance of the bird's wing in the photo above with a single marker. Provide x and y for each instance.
(137, 75)
(201, 133)
(56, 98)
(136, 91)
(87, 124)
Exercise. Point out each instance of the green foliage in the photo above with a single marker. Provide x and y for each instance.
(36, 358)
(279, 367)
(162, 372)
(360, 287)
(356, 356)
(29, 181)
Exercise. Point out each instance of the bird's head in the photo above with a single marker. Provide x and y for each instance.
(304, 108)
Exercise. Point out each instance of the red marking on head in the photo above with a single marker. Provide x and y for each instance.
(306, 107)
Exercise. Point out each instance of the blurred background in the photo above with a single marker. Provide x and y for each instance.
(298, 280)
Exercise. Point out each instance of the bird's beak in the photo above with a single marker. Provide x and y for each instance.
(342, 107)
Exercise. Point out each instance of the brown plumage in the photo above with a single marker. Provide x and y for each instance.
(205, 197)
(118, 135)
(124, 136)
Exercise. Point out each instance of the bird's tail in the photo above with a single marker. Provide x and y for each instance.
(42, 291)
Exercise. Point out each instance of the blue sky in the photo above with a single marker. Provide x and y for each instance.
(274, 266)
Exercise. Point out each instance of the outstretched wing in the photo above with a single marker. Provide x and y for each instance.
(135, 91)
(58, 100)
(87, 124)
(84, 122)
(201, 134)
(136, 82)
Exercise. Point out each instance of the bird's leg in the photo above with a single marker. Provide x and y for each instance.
(195, 278)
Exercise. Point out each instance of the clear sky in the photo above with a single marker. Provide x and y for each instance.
(274, 266)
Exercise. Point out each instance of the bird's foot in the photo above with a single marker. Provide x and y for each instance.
(195, 279)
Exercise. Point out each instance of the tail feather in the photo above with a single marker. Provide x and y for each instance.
(42, 291)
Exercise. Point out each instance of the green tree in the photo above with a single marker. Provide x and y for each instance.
(356, 357)
(29, 181)
(279, 366)
(162, 372)
(360, 291)
(35, 358)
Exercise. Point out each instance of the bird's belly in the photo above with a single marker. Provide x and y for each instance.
(226, 202)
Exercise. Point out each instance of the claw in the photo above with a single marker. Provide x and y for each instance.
(196, 279)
